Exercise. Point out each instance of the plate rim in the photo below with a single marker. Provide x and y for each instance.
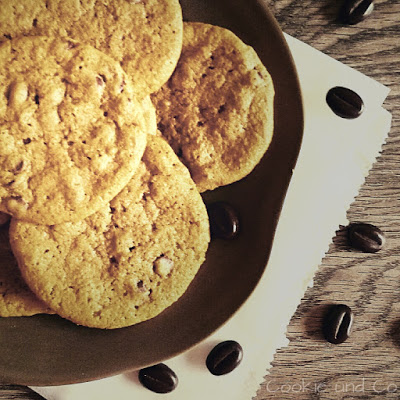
(23, 380)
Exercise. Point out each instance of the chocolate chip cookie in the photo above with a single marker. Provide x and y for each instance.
(130, 260)
(16, 299)
(144, 36)
(72, 132)
(216, 111)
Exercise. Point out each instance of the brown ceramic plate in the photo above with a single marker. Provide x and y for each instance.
(47, 350)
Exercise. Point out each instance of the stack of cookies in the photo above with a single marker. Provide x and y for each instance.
(114, 117)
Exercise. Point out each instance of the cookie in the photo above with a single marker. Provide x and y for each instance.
(16, 299)
(216, 111)
(71, 130)
(145, 36)
(130, 260)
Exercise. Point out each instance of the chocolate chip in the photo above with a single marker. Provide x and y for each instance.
(365, 237)
(221, 109)
(345, 102)
(224, 357)
(19, 166)
(27, 140)
(71, 45)
(354, 11)
(158, 378)
(17, 198)
(139, 284)
(99, 81)
(337, 323)
(224, 220)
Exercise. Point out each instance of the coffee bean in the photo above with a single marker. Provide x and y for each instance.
(365, 237)
(158, 378)
(344, 102)
(354, 11)
(224, 357)
(224, 220)
(337, 323)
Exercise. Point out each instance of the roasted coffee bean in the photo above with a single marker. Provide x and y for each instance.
(337, 323)
(224, 220)
(354, 11)
(224, 357)
(365, 237)
(344, 102)
(159, 378)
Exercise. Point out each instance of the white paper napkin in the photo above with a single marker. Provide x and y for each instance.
(335, 157)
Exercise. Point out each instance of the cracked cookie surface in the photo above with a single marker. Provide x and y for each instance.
(145, 36)
(72, 132)
(216, 110)
(16, 299)
(130, 260)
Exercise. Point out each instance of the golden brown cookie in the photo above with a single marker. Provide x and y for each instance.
(216, 111)
(145, 36)
(16, 299)
(127, 262)
(71, 131)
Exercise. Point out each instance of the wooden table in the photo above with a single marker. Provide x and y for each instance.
(368, 364)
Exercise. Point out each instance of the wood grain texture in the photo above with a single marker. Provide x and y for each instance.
(368, 364)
